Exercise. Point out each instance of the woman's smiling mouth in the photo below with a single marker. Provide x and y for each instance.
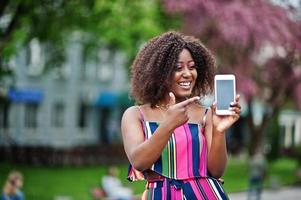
(185, 84)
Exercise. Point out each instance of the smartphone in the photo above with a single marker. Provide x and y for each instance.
(224, 89)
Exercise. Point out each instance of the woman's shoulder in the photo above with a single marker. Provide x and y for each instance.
(198, 112)
(134, 111)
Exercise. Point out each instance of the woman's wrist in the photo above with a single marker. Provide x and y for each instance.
(167, 126)
(218, 130)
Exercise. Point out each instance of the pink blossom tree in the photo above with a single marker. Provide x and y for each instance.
(258, 41)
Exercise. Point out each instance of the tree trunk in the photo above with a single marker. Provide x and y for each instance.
(255, 142)
(257, 133)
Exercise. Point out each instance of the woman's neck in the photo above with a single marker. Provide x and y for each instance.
(166, 101)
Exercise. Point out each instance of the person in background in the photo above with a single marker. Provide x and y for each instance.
(12, 187)
(113, 187)
(257, 169)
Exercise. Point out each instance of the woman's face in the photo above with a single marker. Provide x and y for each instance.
(185, 76)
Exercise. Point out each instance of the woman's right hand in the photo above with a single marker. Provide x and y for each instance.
(177, 114)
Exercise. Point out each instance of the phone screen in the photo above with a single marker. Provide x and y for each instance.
(224, 93)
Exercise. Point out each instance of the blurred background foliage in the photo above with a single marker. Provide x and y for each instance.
(260, 42)
(119, 24)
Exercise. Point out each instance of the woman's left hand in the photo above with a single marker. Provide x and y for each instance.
(222, 122)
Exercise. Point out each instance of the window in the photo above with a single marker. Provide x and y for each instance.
(89, 66)
(105, 72)
(89, 69)
(57, 117)
(105, 113)
(34, 58)
(105, 67)
(3, 115)
(98, 65)
(31, 115)
(83, 115)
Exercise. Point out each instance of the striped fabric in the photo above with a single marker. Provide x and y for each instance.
(182, 165)
(134, 175)
(189, 189)
(183, 156)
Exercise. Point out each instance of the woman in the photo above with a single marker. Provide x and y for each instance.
(178, 146)
(12, 187)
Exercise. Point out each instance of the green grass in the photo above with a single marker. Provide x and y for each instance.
(284, 170)
(44, 183)
(236, 175)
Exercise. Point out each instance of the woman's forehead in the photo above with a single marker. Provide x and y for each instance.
(184, 55)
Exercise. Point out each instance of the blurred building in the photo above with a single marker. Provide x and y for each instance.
(79, 103)
(290, 122)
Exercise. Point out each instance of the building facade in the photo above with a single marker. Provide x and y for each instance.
(77, 104)
(290, 123)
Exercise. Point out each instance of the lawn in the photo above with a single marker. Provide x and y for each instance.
(44, 183)
(281, 171)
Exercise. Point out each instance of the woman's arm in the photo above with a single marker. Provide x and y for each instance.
(217, 151)
(143, 154)
(216, 138)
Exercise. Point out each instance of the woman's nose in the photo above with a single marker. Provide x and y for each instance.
(186, 72)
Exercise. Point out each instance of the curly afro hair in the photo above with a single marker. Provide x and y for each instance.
(153, 67)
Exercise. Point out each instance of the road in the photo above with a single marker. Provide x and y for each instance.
(285, 193)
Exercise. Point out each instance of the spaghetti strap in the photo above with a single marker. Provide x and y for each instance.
(141, 113)
(142, 121)
(204, 118)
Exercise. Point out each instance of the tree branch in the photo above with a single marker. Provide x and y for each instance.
(250, 116)
(265, 122)
(12, 26)
(3, 5)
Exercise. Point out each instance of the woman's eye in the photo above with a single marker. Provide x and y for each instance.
(179, 67)
(192, 66)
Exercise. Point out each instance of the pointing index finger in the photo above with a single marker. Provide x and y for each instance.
(188, 101)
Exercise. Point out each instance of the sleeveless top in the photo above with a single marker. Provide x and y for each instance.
(183, 157)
